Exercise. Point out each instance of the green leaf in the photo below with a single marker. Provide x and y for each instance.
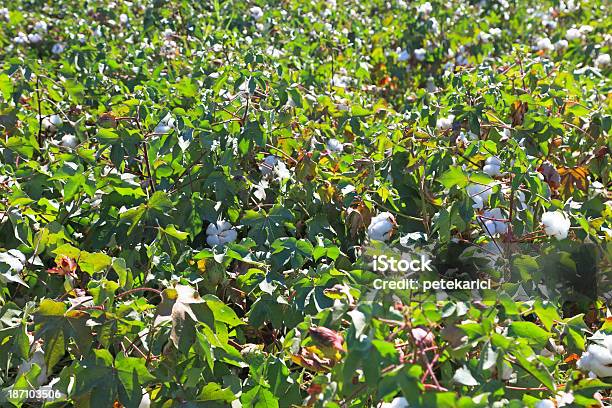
(454, 176)
(534, 335)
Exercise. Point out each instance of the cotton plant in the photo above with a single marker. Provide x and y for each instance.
(220, 233)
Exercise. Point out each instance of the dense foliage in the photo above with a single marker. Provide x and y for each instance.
(192, 194)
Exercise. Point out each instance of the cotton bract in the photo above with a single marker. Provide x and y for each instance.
(556, 224)
(220, 233)
(381, 227)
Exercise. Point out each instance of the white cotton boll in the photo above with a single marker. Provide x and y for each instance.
(564, 398)
(335, 146)
(492, 166)
(145, 402)
(484, 37)
(123, 18)
(479, 194)
(220, 233)
(494, 161)
(212, 240)
(162, 129)
(55, 120)
(69, 141)
(165, 125)
(4, 14)
(556, 224)
(425, 8)
(561, 45)
(603, 60)
(21, 38)
(58, 48)
(398, 402)
(478, 203)
(420, 54)
(34, 38)
(597, 360)
(495, 32)
(492, 225)
(268, 165)
(545, 404)
(403, 55)
(40, 26)
(491, 170)
(256, 12)
(52, 122)
(38, 358)
(573, 34)
(445, 123)
(381, 227)
(544, 44)
(507, 372)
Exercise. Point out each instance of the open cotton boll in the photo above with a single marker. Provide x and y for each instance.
(420, 54)
(445, 123)
(556, 224)
(256, 12)
(544, 44)
(602, 60)
(493, 226)
(34, 38)
(479, 194)
(52, 122)
(403, 55)
(399, 402)
(335, 146)
(165, 125)
(492, 166)
(69, 141)
(425, 8)
(41, 26)
(38, 358)
(220, 233)
(545, 404)
(268, 165)
(381, 227)
(597, 360)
